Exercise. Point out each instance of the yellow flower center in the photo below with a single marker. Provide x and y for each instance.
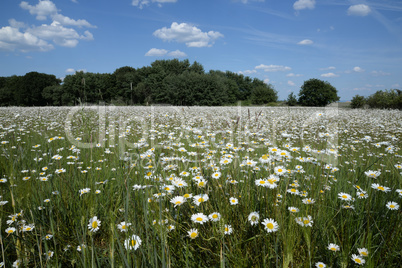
(178, 202)
(279, 170)
(200, 199)
(306, 221)
(380, 188)
(10, 231)
(391, 206)
(262, 182)
(199, 219)
(270, 226)
(344, 196)
(133, 242)
(123, 227)
(358, 260)
(186, 196)
(94, 224)
(215, 216)
(363, 253)
(193, 235)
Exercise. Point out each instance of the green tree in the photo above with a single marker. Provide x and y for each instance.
(292, 100)
(358, 102)
(315, 92)
(263, 94)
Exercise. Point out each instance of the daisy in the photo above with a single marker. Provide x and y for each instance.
(193, 233)
(308, 201)
(216, 175)
(362, 194)
(392, 205)
(199, 218)
(305, 221)
(372, 174)
(293, 191)
(345, 196)
(178, 200)
(17, 263)
(132, 243)
(123, 226)
(228, 229)
(233, 201)
(84, 191)
(293, 209)
(363, 252)
(333, 247)
(28, 228)
(10, 230)
(260, 182)
(320, 265)
(254, 218)
(270, 225)
(202, 183)
(358, 259)
(198, 199)
(49, 254)
(170, 228)
(94, 224)
(380, 188)
(279, 170)
(214, 216)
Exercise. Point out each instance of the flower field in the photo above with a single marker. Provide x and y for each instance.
(164, 186)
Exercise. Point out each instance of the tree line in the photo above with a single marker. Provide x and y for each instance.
(381, 99)
(171, 82)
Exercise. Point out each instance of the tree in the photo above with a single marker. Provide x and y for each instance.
(357, 102)
(263, 94)
(315, 92)
(291, 101)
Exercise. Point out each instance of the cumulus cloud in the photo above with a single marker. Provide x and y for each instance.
(359, 10)
(188, 34)
(266, 81)
(37, 38)
(293, 75)
(156, 52)
(305, 42)
(12, 39)
(328, 68)
(70, 70)
(141, 3)
(273, 68)
(247, 72)
(41, 10)
(329, 75)
(304, 4)
(291, 83)
(177, 54)
(358, 69)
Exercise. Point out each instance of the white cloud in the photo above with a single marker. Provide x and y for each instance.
(303, 4)
(379, 73)
(291, 83)
(329, 75)
(41, 10)
(156, 52)
(357, 69)
(248, 1)
(188, 34)
(70, 70)
(305, 42)
(16, 24)
(273, 68)
(293, 75)
(359, 10)
(67, 21)
(266, 81)
(328, 68)
(247, 72)
(177, 54)
(396, 85)
(11, 39)
(142, 3)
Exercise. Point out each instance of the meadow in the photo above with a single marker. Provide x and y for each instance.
(164, 186)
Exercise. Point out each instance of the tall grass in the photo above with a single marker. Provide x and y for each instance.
(144, 147)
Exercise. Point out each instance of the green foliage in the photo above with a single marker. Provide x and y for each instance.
(291, 101)
(358, 102)
(386, 99)
(315, 92)
(263, 94)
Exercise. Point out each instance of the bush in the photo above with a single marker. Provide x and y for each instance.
(263, 94)
(385, 99)
(291, 101)
(358, 102)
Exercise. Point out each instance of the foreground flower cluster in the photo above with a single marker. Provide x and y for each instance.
(146, 186)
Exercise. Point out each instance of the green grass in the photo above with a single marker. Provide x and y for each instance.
(139, 140)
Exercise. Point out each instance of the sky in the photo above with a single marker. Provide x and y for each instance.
(355, 45)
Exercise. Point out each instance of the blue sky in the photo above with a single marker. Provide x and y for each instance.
(354, 45)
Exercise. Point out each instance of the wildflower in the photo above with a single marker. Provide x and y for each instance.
(293, 209)
(308, 201)
(49, 254)
(380, 188)
(48, 236)
(17, 263)
(345, 196)
(84, 191)
(216, 175)
(170, 228)
(254, 218)
(362, 194)
(193, 233)
(10, 230)
(358, 259)
(392, 205)
(133, 243)
(372, 174)
(199, 218)
(363, 252)
(320, 265)
(97, 191)
(94, 224)
(279, 170)
(270, 225)
(178, 200)
(333, 247)
(2, 203)
(260, 182)
(198, 199)
(214, 216)
(228, 229)
(305, 221)
(201, 183)
(234, 201)
(293, 191)
(123, 226)
(28, 228)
